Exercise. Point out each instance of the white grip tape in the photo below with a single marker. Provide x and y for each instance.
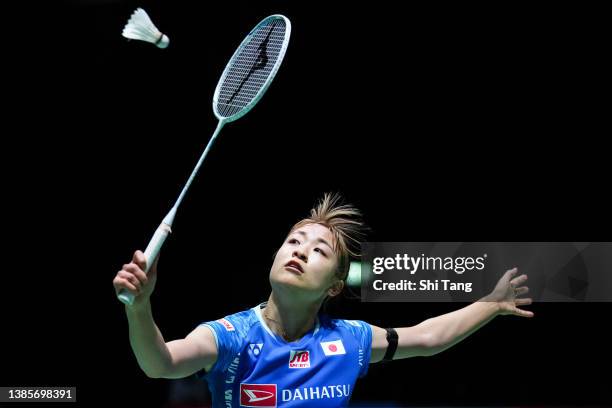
(150, 254)
(155, 244)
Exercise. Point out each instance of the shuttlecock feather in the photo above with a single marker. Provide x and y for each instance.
(140, 27)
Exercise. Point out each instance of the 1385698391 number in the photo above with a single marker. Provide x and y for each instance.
(37, 393)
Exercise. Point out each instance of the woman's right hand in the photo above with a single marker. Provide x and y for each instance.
(133, 278)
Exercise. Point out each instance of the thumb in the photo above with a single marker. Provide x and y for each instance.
(522, 313)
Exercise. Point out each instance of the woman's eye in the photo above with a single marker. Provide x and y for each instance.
(294, 241)
(321, 251)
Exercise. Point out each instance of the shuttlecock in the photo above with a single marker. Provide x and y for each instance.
(140, 27)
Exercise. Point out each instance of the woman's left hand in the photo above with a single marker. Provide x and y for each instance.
(506, 294)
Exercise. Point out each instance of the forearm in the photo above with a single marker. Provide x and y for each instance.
(449, 329)
(147, 341)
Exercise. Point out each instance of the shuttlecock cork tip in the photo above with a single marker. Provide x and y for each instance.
(163, 41)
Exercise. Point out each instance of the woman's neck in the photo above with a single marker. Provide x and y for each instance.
(288, 319)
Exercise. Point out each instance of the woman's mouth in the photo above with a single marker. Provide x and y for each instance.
(295, 267)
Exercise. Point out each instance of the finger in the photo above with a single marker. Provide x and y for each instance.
(130, 278)
(139, 273)
(516, 282)
(135, 270)
(131, 268)
(140, 260)
(511, 272)
(122, 283)
(523, 302)
(521, 291)
(522, 313)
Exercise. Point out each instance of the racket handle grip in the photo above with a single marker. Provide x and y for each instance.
(150, 254)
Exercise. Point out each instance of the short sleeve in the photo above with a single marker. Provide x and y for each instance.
(363, 334)
(228, 338)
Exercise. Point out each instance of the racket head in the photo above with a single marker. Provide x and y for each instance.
(250, 71)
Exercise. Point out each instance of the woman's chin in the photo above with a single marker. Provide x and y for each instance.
(289, 282)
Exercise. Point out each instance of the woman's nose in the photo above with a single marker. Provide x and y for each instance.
(299, 254)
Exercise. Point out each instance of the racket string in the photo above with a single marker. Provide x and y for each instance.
(244, 78)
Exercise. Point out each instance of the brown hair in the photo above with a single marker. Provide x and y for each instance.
(345, 223)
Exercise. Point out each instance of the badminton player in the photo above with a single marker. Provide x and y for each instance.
(284, 352)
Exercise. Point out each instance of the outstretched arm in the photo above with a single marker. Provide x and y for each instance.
(442, 332)
(158, 358)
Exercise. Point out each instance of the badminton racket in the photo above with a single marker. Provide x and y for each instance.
(246, 77)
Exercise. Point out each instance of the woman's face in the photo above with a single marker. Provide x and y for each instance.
(306, 264)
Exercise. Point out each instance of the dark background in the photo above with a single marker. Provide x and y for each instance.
(441, 122)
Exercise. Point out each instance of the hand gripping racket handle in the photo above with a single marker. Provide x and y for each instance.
(151, 252)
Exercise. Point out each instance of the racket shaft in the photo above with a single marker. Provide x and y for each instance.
(150, 254)
(195, 170)
(165, 227)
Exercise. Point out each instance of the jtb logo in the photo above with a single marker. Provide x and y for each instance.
(258, 395)
(299, 359)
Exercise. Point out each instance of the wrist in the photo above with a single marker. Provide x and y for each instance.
(140, 307)
(495, 308)
(493, 305)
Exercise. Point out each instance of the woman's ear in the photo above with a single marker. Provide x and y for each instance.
(336, 288)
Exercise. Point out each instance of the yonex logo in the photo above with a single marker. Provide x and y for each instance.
(256, 348)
